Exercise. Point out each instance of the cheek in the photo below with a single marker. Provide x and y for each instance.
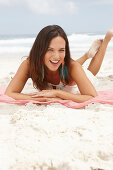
(46, 58)
(63, 56)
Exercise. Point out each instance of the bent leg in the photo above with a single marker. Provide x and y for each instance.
(96, 61)
(91, 52)
(96, 52)
(82, 59)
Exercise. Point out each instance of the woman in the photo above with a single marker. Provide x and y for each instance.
(51, 68)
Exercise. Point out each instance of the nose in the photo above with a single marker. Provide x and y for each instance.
(56, 55)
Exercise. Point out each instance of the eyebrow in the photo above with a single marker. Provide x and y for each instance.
(60, 48)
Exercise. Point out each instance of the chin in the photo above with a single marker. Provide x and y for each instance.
(53, 70)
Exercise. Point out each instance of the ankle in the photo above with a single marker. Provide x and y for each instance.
(87, 55)
(108, 35)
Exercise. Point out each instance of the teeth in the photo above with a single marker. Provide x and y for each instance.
(54, 62)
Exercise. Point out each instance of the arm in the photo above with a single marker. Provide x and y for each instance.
(18, 82)
(86, 88)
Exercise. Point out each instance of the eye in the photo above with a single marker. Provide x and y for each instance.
(62, 50)
(49, 49)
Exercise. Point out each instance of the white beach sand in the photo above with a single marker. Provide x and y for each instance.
(54, 137)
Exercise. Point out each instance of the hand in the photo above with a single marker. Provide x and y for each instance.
(43, 99)
(45, 93)
(53, 99)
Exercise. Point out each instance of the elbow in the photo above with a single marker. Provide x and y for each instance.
(95, 95)
(8, 93)
(12, 95)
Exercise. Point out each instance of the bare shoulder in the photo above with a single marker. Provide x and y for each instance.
(74, 66)
(24, 67)
(25, 63)
(20, 78)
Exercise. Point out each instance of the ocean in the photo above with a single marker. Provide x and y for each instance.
(13, 48)
(20, 45)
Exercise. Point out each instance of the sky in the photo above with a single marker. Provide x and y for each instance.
(74, 16)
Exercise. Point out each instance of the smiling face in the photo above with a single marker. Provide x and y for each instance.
(55, 54)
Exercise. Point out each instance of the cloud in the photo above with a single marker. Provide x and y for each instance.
(102, 2)
(8, 2)
(106, 1)
(49, 7)
(52, 6)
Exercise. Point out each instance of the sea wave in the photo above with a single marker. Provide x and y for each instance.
(79, 43)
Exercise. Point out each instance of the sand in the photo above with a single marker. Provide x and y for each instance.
(54, 137)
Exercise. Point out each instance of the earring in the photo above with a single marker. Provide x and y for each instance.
(64, 71)
(42, 72)
(63, 63)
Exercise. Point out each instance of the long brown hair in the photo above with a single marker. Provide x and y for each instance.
(38, 51)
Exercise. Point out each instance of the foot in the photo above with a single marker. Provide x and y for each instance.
(94, 48)
(109, 33)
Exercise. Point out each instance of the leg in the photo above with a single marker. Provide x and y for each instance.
(96, 62)
(83, 58)
(91, 52)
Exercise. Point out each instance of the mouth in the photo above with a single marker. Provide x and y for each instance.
(54, 62)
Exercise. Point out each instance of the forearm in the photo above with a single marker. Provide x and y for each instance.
(18, 96)
(74, 97)
(21, 96)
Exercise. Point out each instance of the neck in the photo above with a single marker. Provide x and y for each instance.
(51, 73)
(53, 76)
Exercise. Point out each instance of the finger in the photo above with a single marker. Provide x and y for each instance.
(42, 99)
(34, 96)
